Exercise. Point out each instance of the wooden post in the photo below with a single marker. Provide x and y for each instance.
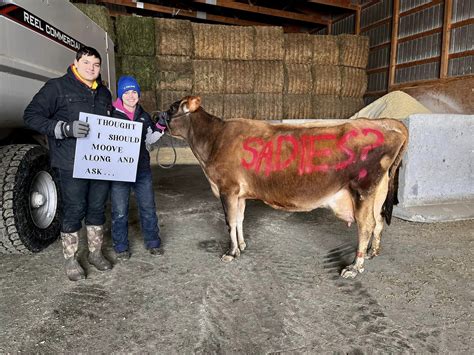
(448, 9)
(357, 21)
(394, 43)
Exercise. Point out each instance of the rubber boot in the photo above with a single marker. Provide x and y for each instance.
(95, 237)
(70, 242)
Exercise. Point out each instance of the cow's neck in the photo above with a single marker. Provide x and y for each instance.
(203, 131)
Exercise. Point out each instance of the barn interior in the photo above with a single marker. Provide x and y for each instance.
(291, 62)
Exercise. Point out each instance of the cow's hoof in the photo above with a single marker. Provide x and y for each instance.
(226, 258)
(242, 246)
(350, 272)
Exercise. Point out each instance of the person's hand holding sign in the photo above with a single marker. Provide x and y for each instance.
(76, 129)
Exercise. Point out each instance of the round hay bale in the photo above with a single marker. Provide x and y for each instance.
(140, 67)
(174, 37)
(354, 82)
(208, 76)
(174, 73)
(326, 79)
(213, 104)
(269, 43)
(148, 100)
(268, 106)
(208, 41)
(269, 76)
(298, 48)
(238, 42)
(325, 50)
(298, 78)
(350, 105)
(239, 77)
(165, 98)
(239, 106)
(100, 15)
(327, 107)
(353, 50)
(297, 106)
(135, 35)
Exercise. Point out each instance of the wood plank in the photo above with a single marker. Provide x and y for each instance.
(421, 7)
(345, 4)
(394, 42)
(317, 18)
(418, 62)
(461, 54)
(448, 7)
(376, 24)
(183, 13)
(462, 23)
(419, 35)
(357, 21)
(377, 70)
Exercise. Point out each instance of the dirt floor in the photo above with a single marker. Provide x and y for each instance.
(284, 294)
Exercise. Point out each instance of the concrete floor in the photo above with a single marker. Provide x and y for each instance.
(284, 294)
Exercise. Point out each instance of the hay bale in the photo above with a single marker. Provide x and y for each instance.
(239, 106)
(268, 106)
(326, 79)
(118, 65)
(326, 107)
(165, 98)
(351, 105)
(208, 41)
(238, 42)
(325, 50)
(298, 48)
(239, 77)
(208, 76)
(213, 104)
(135, 35)
(297, 106)
(174, 73)
(269, 76)
(269, 43)
(354, 82)
(353, 50)
(100, 15)
(148, 100)
(174, 37)
(298, 78)
(140, 67)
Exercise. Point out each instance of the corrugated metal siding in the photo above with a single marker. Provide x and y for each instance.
(406, 5)
(420, 48)
(346, 25)
(462, 10)
(417, 72)
(379, 58)
(376, 12)
(461, 66)
(462, 39)
(323, 31)
(379, 35)
(421, 21)
(377, 81)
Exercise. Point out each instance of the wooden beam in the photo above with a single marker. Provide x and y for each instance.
(229, 4)
(344, 4)
(183, 13)
(357, 21)
(461, 54)
(443, 69)
(420, 8)
(420, 34)
(394, 43)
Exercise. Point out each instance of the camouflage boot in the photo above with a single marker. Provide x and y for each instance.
(95, 237)
(70, 241)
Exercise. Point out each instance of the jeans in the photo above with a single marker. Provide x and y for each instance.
(120, 196)
(81, 198)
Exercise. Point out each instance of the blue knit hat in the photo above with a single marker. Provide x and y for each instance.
(126, 83)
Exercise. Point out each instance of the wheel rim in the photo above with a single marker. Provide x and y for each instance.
(43, 200)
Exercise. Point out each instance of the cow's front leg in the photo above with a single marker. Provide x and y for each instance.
(240, 224)
(230, 205)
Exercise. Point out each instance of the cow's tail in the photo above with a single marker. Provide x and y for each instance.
(392, 198)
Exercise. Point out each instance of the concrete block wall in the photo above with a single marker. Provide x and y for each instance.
(436, 181)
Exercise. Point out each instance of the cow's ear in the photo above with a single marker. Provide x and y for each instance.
(193, 103)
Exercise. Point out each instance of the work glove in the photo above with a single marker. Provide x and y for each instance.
(151, 138)
(76, 129)
(163, 117)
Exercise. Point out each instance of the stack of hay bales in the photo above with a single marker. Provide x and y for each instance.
(100, 15)
(135, 49)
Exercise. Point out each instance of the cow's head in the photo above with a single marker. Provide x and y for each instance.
(179, 113)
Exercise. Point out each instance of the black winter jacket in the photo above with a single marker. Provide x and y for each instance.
(143, 117)
(62, 99)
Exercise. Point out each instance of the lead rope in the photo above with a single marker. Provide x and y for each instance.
(172, 147)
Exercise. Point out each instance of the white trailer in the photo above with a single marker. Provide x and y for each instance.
(38, 41)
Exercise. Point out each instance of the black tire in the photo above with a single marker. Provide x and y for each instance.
(19, 166)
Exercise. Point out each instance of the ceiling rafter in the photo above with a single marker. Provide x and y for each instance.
(345, 4)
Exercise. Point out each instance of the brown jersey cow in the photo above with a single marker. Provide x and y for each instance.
(347, 165)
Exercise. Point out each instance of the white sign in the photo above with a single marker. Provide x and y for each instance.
(110, 151)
